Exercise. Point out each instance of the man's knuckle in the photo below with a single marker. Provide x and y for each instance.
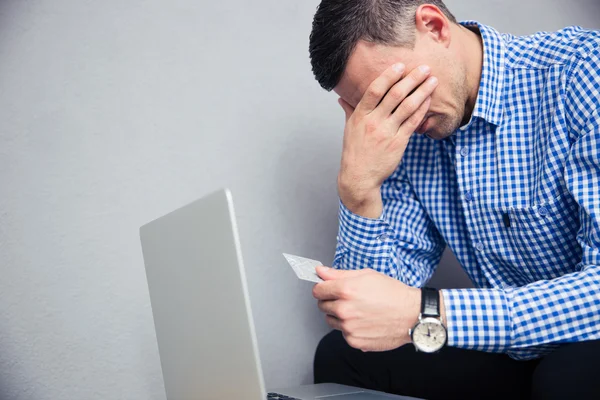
(321, 305)
(415, 120)
(414, 78)
(338, 312)
(346, 292)
(343, 312)
(352, 341)
(346, 327)
(375, 92)
(396, 94)
(315, 291)
(408, 106)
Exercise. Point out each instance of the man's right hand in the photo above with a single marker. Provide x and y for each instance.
(377, 133)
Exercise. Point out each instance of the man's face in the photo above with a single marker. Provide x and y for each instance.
(448, 101)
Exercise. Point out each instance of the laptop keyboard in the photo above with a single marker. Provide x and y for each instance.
(277, 396)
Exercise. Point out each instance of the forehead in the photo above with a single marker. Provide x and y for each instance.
(366, 63)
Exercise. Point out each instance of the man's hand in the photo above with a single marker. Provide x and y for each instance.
(377, 133)
(373, 311)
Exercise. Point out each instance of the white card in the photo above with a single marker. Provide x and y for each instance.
(305, 268)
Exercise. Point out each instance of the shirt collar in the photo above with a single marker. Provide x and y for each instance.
(489, 105)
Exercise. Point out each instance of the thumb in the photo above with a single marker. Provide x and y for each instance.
(330, 274)
(348, 109)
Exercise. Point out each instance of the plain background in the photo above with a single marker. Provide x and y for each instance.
(113, 113)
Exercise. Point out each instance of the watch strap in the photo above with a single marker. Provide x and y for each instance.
(430, 302)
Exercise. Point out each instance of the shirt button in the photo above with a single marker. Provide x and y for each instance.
(479, 246)
(468, 196)
(383, 237)
(464, 151)
(543, 211)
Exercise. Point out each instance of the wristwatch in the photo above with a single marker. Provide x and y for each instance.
(429, 334)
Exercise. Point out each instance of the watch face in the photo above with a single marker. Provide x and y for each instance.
(429, 335)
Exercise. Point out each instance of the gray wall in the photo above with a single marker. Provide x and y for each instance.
(115, 112)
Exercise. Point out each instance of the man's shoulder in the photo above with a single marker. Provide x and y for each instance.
(546, 49)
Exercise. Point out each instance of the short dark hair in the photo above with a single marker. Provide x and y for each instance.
(339, 25)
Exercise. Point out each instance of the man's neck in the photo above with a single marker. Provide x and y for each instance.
(473, 57)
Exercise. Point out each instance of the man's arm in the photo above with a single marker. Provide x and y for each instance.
(371, 185)
(382, 224)
(402, 243)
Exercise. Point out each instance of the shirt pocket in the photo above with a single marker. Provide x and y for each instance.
(545, 237)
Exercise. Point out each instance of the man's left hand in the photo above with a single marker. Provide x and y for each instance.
(373, 311)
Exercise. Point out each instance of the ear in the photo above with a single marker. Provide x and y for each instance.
(432, 22)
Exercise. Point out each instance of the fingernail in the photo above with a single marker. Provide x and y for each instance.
(399, 67)
(433, 81)
(425, 69)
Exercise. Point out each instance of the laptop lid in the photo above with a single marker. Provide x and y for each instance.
(204, 327)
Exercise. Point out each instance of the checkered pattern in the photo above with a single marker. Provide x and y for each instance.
(530, 157)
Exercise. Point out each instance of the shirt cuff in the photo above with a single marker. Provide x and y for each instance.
(478, 319)
(367, 237)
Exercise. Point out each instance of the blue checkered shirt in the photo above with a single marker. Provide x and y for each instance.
(515, 194)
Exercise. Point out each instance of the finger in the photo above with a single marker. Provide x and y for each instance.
(328, 307)
(412, 123)
(328, 290)
(354, 342)
(329, 274)
(333, 322)
(379, 87)
(413, 102)
(348, 109)
(399, 93)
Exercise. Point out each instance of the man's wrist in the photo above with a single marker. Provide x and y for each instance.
(368, 205)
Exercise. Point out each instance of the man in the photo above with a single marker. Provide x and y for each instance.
(504, 169)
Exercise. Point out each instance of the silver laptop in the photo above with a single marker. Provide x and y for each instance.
(201, 309)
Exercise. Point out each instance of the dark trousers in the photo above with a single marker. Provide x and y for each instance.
(571, 372)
